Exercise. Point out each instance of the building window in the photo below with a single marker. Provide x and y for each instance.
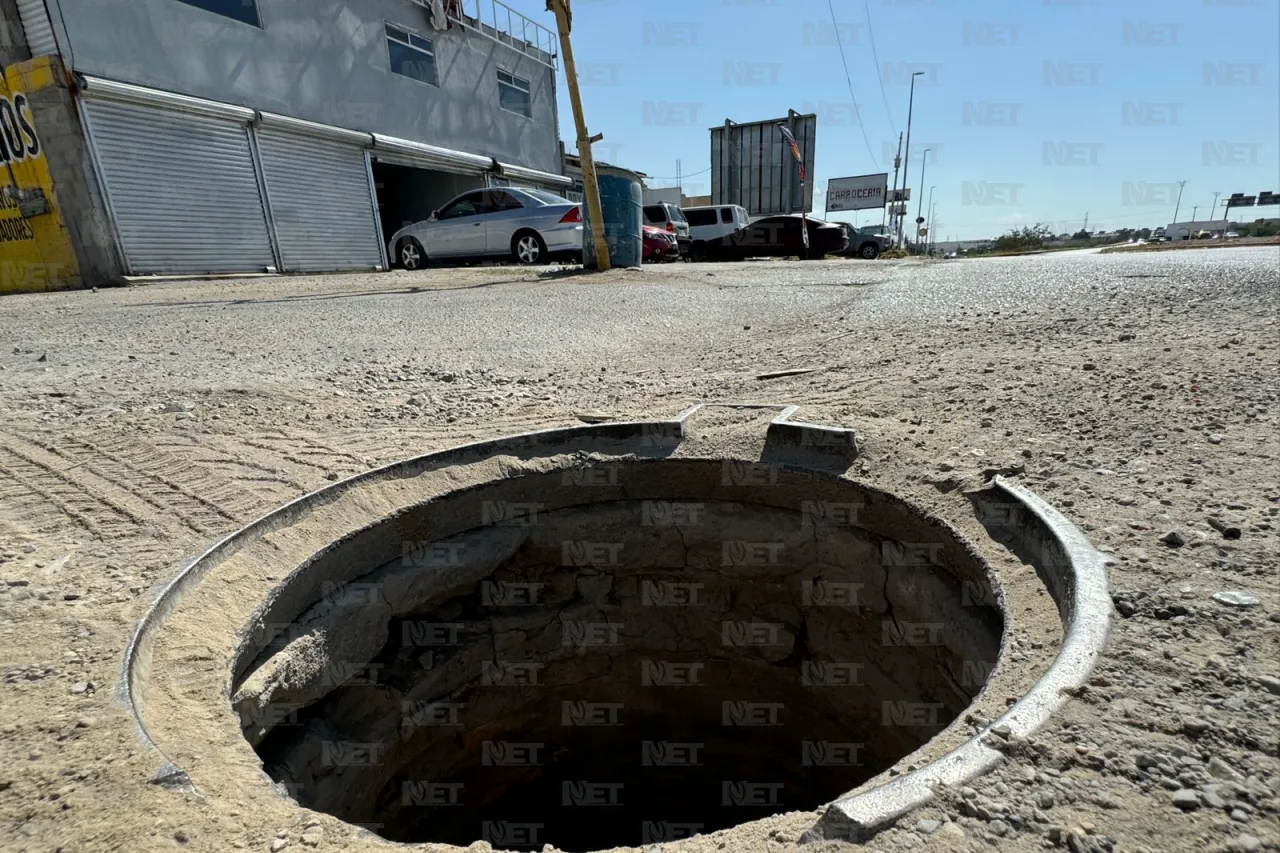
(411, 56)
(245, 11)
(513, 94)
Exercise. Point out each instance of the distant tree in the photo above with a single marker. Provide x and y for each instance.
(1081, 235)
(1145, 233)
(1023, 239)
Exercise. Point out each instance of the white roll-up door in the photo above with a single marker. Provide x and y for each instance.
(182, 189)
(321, 201)
(36, 27)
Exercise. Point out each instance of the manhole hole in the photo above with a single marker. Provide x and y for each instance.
(602, 635)
(616, 653)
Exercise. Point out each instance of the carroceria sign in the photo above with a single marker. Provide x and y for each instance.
(857, 193)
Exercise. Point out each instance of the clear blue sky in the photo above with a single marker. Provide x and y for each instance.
(1037, 110)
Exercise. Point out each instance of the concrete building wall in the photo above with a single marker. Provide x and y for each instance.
(325, 61)
(80, 200)
(13, 41)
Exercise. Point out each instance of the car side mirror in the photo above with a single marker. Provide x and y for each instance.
(435, 214)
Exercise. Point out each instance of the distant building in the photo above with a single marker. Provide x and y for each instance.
(206, 136)
(573, 171)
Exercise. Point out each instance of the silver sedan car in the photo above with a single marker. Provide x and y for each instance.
(529, 226)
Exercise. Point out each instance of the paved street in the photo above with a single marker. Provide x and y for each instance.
(1139, 394)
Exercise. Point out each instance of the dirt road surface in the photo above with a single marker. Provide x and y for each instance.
(1138, 393)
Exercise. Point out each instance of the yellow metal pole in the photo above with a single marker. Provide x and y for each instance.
(590, 188)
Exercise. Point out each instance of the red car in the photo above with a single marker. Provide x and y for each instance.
(659, 245)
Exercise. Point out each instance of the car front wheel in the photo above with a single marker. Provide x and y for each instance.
(528, 248)
(869, 252)
(410, 254)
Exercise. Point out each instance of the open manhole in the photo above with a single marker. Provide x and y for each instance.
(615, 653)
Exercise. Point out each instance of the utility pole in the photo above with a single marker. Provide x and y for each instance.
(933, 225)
(897, 161)
(1178, 206)
(911, 101)
(1194, 208)
(590, 188)
(1085, 229)
(1213, 213)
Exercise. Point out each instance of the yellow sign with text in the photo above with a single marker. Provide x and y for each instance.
(35, 251)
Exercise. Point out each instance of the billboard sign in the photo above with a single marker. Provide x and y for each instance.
(752, 165)
(858, 193)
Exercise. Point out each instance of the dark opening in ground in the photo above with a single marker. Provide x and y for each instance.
(616, 654)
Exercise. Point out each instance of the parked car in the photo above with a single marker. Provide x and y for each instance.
(1232, 235)
(659, 245)
(527, 225)
(671, 219)
(866, 243)
(713, 223)
(780, 237)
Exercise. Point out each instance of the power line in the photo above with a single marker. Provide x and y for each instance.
(862, 125)
(876, 56)
(678, 177)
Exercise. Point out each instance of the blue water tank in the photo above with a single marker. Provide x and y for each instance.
(622, 201)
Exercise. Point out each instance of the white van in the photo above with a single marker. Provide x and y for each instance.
(714, 223)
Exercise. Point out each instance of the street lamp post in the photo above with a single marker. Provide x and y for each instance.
(931, 189)
(1178, 206)
(1213, 213)
(906, 159)
(924, 161)
(933, 226)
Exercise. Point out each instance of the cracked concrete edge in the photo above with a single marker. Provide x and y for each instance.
(130, 687)
(1085, 603)
(811, 438)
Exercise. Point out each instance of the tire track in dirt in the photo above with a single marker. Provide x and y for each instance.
(165, 482)
(71, 494)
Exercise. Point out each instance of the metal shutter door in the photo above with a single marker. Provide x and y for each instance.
(321, 202)
(182, 189)
(35, 23)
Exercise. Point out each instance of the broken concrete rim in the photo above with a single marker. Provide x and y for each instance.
(801, 457)
(1074, 572)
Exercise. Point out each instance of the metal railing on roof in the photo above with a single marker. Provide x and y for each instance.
(498, 22)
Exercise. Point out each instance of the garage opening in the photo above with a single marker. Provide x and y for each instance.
(408, 194)
(615, 654)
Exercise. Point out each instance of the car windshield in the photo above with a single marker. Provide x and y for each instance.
(546, 197)
(677, 214)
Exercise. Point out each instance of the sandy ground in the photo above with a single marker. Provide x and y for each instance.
(1139, 392)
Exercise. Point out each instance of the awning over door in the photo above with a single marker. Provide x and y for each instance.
(521, 175)
(319, 195)
(181, 187)
(419, 155)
